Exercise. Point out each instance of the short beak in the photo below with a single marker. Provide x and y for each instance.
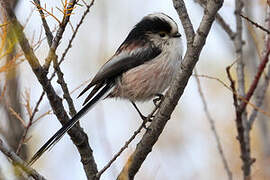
(177, 35)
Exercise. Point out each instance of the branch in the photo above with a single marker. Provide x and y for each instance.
(226, 27)
(255, 24)
(76, 133)
(52, 56)
(17, 161)
(65, 52)
(244, 126)
(241, 116)
(256, 78)
(213, 128)
(260, 95)
(46, 27)
(184, 17)
(176, 90)
(238, 42)
(143, 125)
(63, 84)
(244, 145)
(60, 74)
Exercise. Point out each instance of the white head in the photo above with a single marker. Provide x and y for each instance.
(167, 19)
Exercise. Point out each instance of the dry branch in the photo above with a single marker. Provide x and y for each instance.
(46, 27)
(143, 125)
(260, 95)
(244, 146)
(213, 128)
(17, 161)
(226, 27)
(52, 56)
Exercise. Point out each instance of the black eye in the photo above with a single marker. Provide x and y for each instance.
(162, 34)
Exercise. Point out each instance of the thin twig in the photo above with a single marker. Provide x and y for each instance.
(244, 146)
(213, 128)
(52, 56)
(255, 107)
(48, 13)
(255, 24)
(46, 27)
(127, 142)
(60, 75)
(260, 94)
(256, 78)
(61, 81)
(17, 161)
(17, 116)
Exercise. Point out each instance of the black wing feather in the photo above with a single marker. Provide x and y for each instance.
(59, 134)
(120, 66)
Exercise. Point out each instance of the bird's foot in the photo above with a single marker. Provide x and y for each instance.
(158, 99)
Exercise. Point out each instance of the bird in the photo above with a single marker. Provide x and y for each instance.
(142, 67)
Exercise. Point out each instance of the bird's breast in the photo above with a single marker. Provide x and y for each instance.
(145, 81)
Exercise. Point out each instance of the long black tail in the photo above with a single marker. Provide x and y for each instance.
(60, 133)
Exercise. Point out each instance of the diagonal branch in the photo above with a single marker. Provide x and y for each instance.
(226, 27)
(255, 24)
(244, 145)
(143, 125)
(256, 78)
(46, 27)
(184, 17)
(52, 56)
(144, 147)
(17, 161)
(260, 94)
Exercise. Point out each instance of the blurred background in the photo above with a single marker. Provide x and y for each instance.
(186, 149)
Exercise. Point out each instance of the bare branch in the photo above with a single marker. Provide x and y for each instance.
(259, 96)
(46, 27)
(244, 145)
(226, 27)
(143, 125)
(184, 17)
(17, 161)
(255, 107)
(256, 78)
(238, 46)
(52, 56)
(255, 24)
(213, 128)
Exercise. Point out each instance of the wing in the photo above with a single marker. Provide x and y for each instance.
(126, 57)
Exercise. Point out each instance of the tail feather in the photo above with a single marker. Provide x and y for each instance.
(60, 133)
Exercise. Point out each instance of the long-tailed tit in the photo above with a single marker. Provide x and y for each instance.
(142, 67)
